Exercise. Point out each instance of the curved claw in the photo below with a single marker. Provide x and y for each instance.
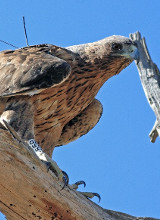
(48, 165)
(97, 195)
(65, 179)
(75, 185)
(80, 183)
(90, 195)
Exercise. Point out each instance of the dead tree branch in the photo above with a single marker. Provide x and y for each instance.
(29, 191)
(150, 79)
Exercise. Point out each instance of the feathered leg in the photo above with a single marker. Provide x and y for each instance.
(19, 115)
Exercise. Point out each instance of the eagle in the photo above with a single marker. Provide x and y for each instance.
(47, 92)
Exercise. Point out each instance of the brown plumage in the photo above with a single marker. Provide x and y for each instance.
(48, 92)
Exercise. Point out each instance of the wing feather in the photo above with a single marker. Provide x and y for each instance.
(31, 69)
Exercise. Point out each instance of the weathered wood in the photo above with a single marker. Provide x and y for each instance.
(150, 79)
(29, 191)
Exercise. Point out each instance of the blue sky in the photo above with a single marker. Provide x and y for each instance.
(116, 159)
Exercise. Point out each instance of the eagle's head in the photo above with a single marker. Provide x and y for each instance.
(112, 54)
(120, 46)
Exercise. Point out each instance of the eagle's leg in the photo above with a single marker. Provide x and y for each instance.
(51, 164)
(19, 115)
(82, 123)
(78, 126)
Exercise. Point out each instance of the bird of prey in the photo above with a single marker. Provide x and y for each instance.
(47, 92)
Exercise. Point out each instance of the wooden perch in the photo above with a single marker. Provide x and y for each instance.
(150, 79)
(29, 191)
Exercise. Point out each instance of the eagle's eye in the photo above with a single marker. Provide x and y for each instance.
(117, 47)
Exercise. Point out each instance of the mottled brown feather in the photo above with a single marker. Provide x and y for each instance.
(30, 70)
(78, 72)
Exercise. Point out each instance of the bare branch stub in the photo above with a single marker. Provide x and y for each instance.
(150, 79)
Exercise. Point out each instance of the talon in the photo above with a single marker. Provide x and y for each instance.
(65, 179)
(75, 185)
(90, 195)
(97, 195)
(80, 183)
(51, 165)
(48, 165)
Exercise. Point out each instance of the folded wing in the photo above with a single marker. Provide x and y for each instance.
(31, 69)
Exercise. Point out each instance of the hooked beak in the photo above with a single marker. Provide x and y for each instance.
(134, 54)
